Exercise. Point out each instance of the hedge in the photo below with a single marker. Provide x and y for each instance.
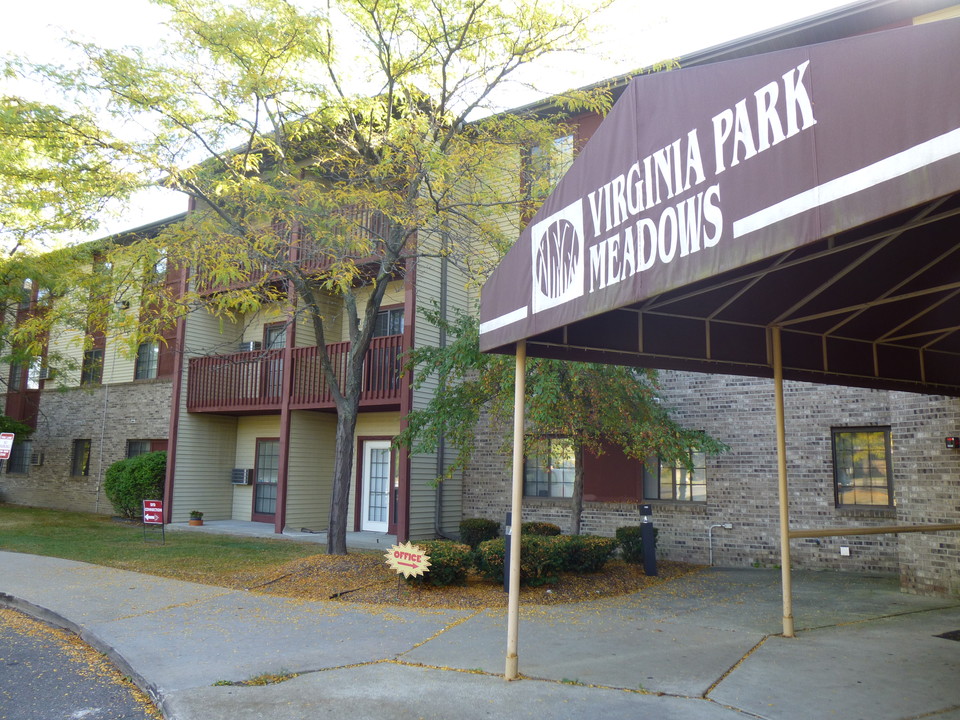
(127, 483)
(449, 563)
(474, 531)
(631, 544)
(588, 553)
(543, 557)
(535, 527)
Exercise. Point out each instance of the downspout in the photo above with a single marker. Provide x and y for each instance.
(442, 444)
(103, 429)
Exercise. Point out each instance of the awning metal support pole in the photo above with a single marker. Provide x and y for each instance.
(784, 501)
(513, 601)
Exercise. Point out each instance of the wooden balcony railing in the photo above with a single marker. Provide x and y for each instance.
(249, 382)
(310, 254)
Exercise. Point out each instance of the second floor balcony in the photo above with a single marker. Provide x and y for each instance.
(252, 382)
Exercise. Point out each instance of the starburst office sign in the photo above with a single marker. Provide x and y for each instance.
(407, 560)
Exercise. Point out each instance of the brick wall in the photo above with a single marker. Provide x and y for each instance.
(742, 484)
(116, 413)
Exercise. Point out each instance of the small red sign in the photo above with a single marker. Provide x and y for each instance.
(153, 512)
(6, 443)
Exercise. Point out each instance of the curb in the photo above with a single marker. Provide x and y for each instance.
(56, 620)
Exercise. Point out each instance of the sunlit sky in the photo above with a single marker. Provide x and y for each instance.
(630, 34)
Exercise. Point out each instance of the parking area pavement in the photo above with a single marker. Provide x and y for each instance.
(703, 646)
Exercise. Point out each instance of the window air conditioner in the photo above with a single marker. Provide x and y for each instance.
(45, 373)
(36, 459)
(241, 476)
(249, 345)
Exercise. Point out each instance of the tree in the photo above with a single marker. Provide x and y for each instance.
(348, 133)
(58, 172)
(590, 406)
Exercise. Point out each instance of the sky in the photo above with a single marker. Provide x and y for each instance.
(631, 34)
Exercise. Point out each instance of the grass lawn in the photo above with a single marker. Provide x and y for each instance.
(199, 557)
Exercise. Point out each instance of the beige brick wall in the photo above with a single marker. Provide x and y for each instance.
(742, 484)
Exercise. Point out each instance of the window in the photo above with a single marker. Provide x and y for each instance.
(19, 457)
(551, 163)
(80, 462)
(274, 336)
(148, 356)
(139, 447)
(861, 466)
(92, 370)
(551, 475)
(674, 481)
(35, 374)
(389, 322)
(16, 378)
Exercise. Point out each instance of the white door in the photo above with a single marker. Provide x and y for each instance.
(376, 485)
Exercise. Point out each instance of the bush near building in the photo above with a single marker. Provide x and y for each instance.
(129, 482)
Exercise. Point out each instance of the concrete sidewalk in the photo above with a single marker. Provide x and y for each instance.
(704, 647)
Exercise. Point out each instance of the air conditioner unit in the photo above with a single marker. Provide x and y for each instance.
(36, 459)
(45, 373)
(249, 345)
(241, 476)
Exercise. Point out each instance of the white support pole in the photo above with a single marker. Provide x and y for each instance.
(784, 501)
(513, 601)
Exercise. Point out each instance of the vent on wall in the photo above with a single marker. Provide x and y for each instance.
(36, 459)
(241, 476)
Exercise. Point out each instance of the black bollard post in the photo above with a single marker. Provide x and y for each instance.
(649, 541)
(507, 532)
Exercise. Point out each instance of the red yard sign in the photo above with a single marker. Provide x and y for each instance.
(153, 512)
(6, 443)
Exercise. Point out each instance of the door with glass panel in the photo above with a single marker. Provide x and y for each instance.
(274, 340)
(375, 490)
(265, 475)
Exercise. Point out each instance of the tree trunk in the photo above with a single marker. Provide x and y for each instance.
(576, 501)
(342, 480)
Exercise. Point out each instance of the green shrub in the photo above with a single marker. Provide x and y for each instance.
(535, 527)
(587, 553)
(127, 483)
(631, 544)
(544, 557)
(474, 531)
(449, 563)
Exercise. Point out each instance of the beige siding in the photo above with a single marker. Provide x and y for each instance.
(331, 311)
(424, 468)
(250, 428)
(310, 470)
(67, 344)
(254, 322)
(118, 364)
(206, 444)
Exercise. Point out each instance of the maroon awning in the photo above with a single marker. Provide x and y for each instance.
(813, 189)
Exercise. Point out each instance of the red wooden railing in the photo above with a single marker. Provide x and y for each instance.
(253, 381)
(310, 254)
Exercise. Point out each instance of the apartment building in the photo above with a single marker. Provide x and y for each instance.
(249, 427)
(675, 272)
